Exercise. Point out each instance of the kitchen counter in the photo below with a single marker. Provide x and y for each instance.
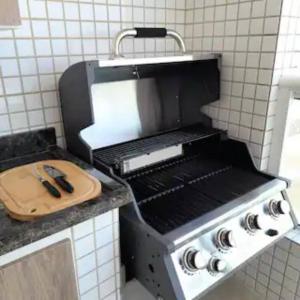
(25, 148)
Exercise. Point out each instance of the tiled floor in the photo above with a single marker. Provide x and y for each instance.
(232, 289)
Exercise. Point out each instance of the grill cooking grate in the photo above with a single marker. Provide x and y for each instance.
(172, 196)
(163, 180)
(116, 154)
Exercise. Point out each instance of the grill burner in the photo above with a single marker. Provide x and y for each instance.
(181, 191)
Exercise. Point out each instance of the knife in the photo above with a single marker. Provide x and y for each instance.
(50, 188)
(59, 178)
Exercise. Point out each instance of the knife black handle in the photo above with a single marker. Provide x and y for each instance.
(51, 189)
(64, 184)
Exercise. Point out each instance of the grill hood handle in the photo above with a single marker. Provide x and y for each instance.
(141, 32)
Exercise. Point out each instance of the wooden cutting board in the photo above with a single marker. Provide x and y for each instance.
(25, 198)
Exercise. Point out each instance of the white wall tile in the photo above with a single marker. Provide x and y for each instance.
(57, 28)
(19, 120)
(43, 47)
(258, 9)
(91, 295)
(55, 10)
(107, 287)
(273, 7)
(9, 67)
(30, 84)
(105, 254)
(28, 66)
(33, 101)
(101, 13)
(86, 264)
(40, 28)
(12, 85)
(24, 48)
(71, 11)
(84, 228)
(15, 103)
(86, 11)
(45, 65)
(59, 47)
(104, 236)
(36, 118)
(103, 220)
(5, 125)
(87, 282)
(84, 246)
(75, 46)
(106, 271)
(3, 106)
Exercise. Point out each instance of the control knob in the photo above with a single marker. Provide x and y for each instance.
(217, 265)
(193, 260)
(225, 239)
(254, 223)
(279, 207)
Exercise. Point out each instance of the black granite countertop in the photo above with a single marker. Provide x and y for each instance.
(39, 145)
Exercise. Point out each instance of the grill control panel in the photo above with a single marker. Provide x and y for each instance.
(203, 261)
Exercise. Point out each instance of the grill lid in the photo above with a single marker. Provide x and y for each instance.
(120, 100)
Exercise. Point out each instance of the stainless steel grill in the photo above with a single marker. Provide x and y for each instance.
(198, 200)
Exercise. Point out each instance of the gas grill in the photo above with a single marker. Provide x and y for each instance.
(200, 209)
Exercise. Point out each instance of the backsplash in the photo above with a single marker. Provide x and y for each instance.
(258, 39)
(57, 34)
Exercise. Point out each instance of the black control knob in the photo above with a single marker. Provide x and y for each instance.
(225, 239)
(277, 208)
(217, 265)
(193, 260)
(255, 222)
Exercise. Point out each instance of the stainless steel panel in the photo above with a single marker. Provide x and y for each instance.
(128, 110)
(202, 280)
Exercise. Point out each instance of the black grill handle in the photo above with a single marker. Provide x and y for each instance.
(144, 32)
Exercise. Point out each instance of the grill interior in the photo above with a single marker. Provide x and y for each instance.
(175, 193)
(116, 154)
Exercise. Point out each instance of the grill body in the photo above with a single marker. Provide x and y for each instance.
(195, 192)
(183, 203)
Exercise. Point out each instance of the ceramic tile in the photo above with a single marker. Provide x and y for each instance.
(87, 282)
(84, 246)
(84, 228)
(86, 264)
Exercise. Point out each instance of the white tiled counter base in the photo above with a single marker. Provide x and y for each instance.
(97, 256)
